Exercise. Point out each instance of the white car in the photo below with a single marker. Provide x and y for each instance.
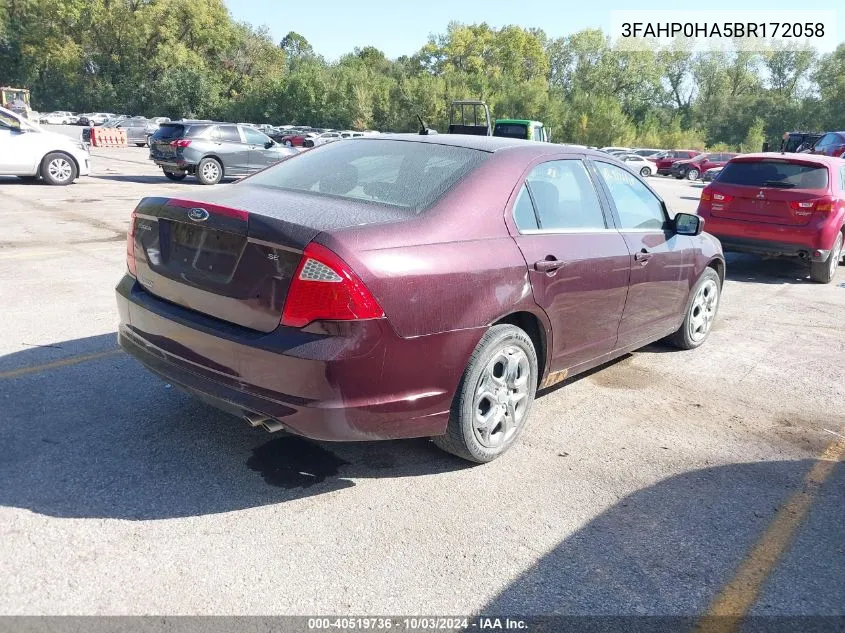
(615, 149)
(30, 152)
(326, 137)
(637, 163)
(57, 118)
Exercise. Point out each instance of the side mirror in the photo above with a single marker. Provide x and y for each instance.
(269, 144)
(688, 224)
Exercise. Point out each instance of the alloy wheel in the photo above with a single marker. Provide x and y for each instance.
(60, 169)
(501, 397)
(703, 310)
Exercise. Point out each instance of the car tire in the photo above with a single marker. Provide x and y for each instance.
(209, 171)
(702, 306)
(497, 386)
(288, 144)
(824, 272)
(175, 176)
(693, 174)
(681, 175)
(59, 169)
(645, 172)
(140, 144)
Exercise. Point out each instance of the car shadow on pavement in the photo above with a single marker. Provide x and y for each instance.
(762, 270)
(158, 179)
(103, 437)
(669, 548)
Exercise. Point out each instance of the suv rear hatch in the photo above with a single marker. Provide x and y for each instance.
(164, 144)
(773, 190)
(234, 258)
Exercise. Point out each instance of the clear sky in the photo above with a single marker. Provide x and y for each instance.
(401, 27)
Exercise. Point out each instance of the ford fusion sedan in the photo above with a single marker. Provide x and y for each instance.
(32, 153)
(411, 286)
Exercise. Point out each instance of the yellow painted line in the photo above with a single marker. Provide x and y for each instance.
(736, 598)
(65, 362)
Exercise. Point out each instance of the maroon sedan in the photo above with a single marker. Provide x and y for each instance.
(413, 286)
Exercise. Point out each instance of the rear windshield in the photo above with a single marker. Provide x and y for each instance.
(510, 130)
(774, 173)
(399, 173)
(168, 131)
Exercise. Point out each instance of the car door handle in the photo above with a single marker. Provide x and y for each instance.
(548, 265)
(643, 256)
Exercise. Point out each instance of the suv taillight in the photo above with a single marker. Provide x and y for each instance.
(130, 245)
(182, 142)
(324, 287)
(821, 205)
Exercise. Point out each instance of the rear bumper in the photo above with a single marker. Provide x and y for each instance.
(664, 171)
(737, 236)
(339, 382)
(765, 247)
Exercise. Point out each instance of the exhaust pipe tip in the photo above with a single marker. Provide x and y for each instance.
(272, 426)
(254, 420)
(803, 254)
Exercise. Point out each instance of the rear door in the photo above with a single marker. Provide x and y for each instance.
(660, 260)
(769, 191)
(578, 262)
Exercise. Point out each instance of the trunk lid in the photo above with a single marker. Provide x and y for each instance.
(768, 191)
(232, 253)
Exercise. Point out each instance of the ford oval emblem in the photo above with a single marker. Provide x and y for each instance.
(197, 214)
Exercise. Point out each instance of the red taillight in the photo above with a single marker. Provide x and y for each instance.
(821, 205)
(182, 142)
(325, 288)
(130, 245)
(711, 195)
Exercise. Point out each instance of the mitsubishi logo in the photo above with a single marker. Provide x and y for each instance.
(761, 195)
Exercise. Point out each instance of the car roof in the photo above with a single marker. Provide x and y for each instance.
(470, 141)
(820, 159)
(489, 144)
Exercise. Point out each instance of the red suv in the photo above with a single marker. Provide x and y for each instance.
(694, 167)
(664, 161)
(831, 144)
(780, 204)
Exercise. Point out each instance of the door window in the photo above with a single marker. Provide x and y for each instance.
(538, 133)
(637, 207)
(563, 197)
(254, 137)
(228, 133)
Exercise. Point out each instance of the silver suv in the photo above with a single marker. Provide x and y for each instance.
(212, 151)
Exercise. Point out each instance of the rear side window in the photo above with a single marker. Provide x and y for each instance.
(564, 196)
(523, 212)
(773, 173)
(404, 174)
(228, 133)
